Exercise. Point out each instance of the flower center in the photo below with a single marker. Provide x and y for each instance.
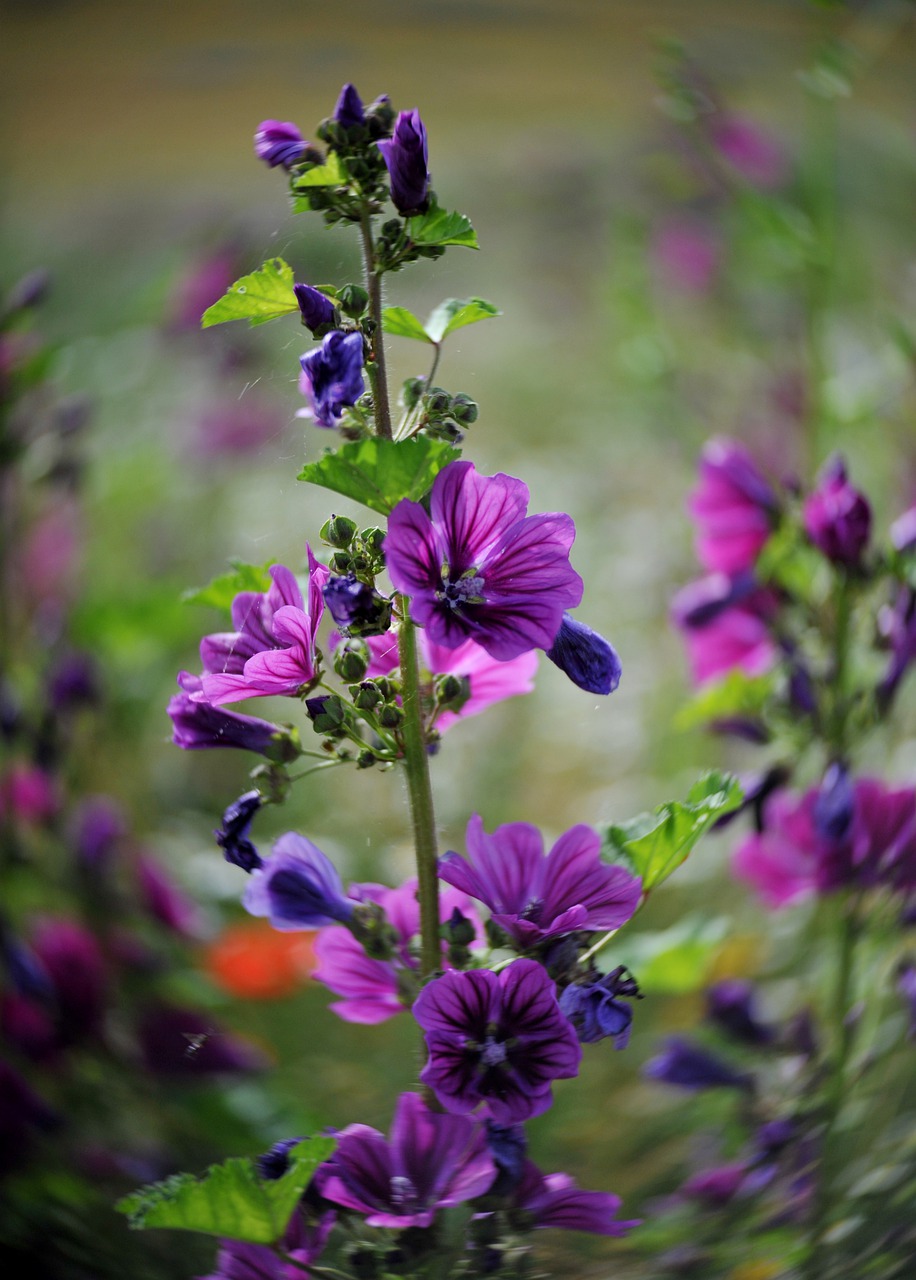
(493, 1052)
(468, 589)
(533, 911)
(403, 1192)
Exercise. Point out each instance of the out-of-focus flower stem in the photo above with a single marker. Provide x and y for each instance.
(378, 376)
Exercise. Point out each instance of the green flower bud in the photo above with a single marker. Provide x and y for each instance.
(390, 715)
(338, 531)
(353, 300)
(437, 400)
(463, 409)
(340, 562)
(367, 696)
(452, 691)
(413, 389)
(373, 540)
(365, 760)
(351, 660)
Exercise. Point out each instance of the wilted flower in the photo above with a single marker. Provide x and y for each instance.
(332, 376)
(589, 660)
(496, 1038)
(478, 568)
(430, 1162)
(837, 517)
(598, 1009)
(278, 142)
(233, 838)
(554, 1200)
(534, 897)
(406, 156)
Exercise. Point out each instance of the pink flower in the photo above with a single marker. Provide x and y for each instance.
(733, 507)
(756, 154)
(781, 861)
(29, 794)
(686, 256)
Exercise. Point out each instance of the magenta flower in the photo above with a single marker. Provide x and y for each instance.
(716, 1186)
(554, 1200)
(198, 726)
(733, 507)
(496, 1038)
(278, 142)
(756, 154)
(430, 1162)
(28, 795)
(304, 1242)
(780, 860)
(272, 650)
(726, 626)
(374, 990)
(477, 568)
(837, 517)
(161, 897)
(686, 256)
(297, 887)
(535, 898)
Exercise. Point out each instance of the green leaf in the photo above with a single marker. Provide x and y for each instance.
(736, 694)
(222, 590)
(656, 844)
(455, 313)
(379, 473)
(438, 227)
(230, 1199)
(673, 961)
(264, 295)
(788, 561)
(401, 323)
(330, 174)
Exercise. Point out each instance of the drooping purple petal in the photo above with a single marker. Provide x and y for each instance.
(297, 888)
(589, 660)
(554, 1200)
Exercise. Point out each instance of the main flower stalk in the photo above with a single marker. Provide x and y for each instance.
(378, 376)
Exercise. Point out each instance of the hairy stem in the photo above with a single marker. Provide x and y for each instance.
(378, 376)
(419, 790)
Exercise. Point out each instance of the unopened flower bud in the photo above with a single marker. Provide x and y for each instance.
(367, 696)
(341, 562)
(351, 659)
(405, 155)
(459, 930)
(837, 517)
(349, 113)
(413, 389)
(353, 300)
(318, 311)
(438, 401)
(326, 712)
(365, 760)
(338, 531)
(373, 539)
(390, 716)
(380, 117)
(452, 691)
(463, 409)
(354, 604)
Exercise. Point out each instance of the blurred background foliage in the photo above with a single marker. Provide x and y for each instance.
(652, 295)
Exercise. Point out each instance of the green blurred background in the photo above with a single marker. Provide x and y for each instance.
(128, 159)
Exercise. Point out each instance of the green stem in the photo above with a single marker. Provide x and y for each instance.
(837, 728)
(378, 376)
(419, 790)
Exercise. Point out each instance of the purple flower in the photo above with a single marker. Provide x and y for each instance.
(175, 1041)
(198, 726)
(279, 142)
(834, 807)
(349, 112)
(162, 899)
(730, 1005)
(375, 990)
(478, 568)
(756, 155)
(352, 603)
(686, 256)
(73, 961)
(837, 517)
(733, 507)
(297, 888)
(508, 1147)
(304, 1242)
(586, 657)
(906, 987)
(597, 1009)
(897, 624)
(701, 602)
(233, 838)
(534, 898)
(689, 1066)
(272, 650)
(716, 1186)
(332, 376)
(903, 531)
(430, 1162)
(275, 1162)
(406, 155)
(729, 636)
(318, 311)
(554, 1200)
(97, 829)
(496, 1038)
(73, 681)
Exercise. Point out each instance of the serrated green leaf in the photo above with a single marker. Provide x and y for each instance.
(439, 227)
(379, 473)
(673, 961)
(223, 589)
(264, 295)
(230, 1199)
(329, 174)
(735, 695)
(655, 844)
(401, 323)
(455, 313)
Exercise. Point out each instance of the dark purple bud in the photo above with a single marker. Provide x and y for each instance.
(458, 930)
(162, 899)
(233, 838)
(30, 291)
(773, 1137)
(802, 697)
(98, 828)
(334, 376)
(318, 311)
(689, 1066)
(701, 602)
(508, 1147)
(183, 1042)
(75, 966)
(298, 887)
(279, 142)
(29, 1025)
(352, 603)
(834, 807)
(730, 1005)
(349, 112)
(406, 156)
(837, 517)
(585, 656)
(716, 1186)
(897, 626)
(73, 681)
(198, 726)
(903, 531)
(275, 1162)
(742, 727)
(27, 974)
(801, 1034)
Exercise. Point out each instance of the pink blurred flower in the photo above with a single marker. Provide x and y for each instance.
(29, 794)
(755, 153)
(686, 256)
(237, 427)
(733, 507)
(202, 284)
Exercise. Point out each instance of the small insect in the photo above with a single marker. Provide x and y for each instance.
(196, 1041)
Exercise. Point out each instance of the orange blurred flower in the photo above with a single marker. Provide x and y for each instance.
(252, 961)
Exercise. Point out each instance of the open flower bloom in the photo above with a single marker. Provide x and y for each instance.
(496, 1038)
(297, 887)
(272, 650)
(491, 681)
(373, 990)
(332, 376)
(554, 1200)
(733, 508)
(478, 568)
(534, 897)
(430, 1162)
(726, 627)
